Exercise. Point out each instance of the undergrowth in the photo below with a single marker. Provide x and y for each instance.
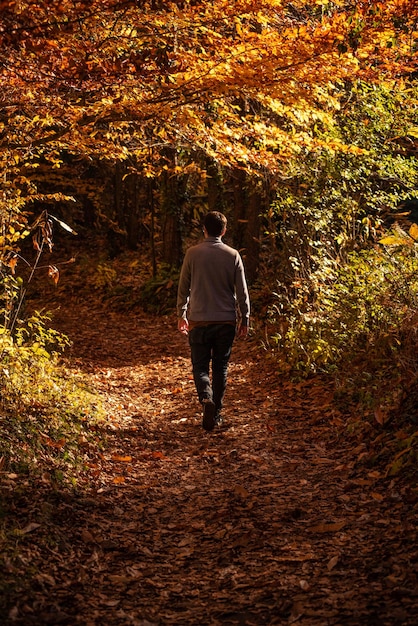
(363, 318)
(46, 410)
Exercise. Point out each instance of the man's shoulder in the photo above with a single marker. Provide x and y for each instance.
(211, 247)
(194, 248)
(229, 248)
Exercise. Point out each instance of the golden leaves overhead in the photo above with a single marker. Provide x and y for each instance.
(239, 81)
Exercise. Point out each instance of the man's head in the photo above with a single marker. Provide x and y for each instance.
(215, 224)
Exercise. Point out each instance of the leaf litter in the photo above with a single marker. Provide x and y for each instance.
(278, 517)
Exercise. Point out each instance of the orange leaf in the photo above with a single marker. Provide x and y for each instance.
(159, 455)
(12, 264)
(377, 496)
(53, 272)
(54, 444)
(122, 459)
(328, 528)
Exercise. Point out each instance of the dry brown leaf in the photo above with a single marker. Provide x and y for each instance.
(29, 528)
(332, 527)
(333, 562)
(159, 455)
(377, 496)
(379, 415)
(87, 536)
(239, 490)
(296, 613)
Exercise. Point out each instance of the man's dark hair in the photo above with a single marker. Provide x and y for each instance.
(215, 223)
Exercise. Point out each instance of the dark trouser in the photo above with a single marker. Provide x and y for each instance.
(211, 343)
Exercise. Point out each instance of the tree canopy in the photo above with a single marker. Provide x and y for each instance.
(245, 83)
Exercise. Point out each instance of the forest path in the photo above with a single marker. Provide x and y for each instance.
(277, 518)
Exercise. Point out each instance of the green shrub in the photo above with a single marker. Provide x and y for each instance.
(45, 409)
(364, 319)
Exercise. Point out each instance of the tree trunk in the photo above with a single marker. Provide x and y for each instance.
(248, 205)
(214, 187)
(171, 202)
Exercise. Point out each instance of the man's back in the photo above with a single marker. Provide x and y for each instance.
(213, 279)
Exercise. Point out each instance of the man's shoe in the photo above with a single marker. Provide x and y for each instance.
(209, 415)
(218, 419)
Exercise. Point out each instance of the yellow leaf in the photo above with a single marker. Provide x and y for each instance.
(413, 231)
(392, 240)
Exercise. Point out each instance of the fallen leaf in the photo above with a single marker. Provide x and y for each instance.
(29, 528)
(333, 562)
(377, 496)
(241, 491)
(328, 528)
(159, 455)
(87, 537)
(296, 613)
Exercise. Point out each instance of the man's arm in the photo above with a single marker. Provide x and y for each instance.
(243, 298)
(183, 294)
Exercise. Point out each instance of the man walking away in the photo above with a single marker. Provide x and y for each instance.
(212, 306)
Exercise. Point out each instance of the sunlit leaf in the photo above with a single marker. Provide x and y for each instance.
(63, 225)
(12, 263)
(54, 274)
(413, 231)
(393, 240)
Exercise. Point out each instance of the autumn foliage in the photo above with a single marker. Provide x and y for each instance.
(240, 82)
(124, 121)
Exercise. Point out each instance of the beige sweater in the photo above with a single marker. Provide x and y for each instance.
(212, 286)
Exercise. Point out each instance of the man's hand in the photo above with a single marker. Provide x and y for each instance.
(183, 326)
(242, 331)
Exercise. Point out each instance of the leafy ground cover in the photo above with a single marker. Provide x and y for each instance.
(288, 514)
